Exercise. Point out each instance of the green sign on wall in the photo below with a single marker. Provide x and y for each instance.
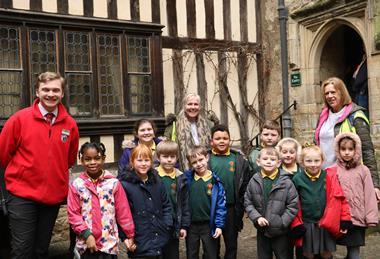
(295, 79)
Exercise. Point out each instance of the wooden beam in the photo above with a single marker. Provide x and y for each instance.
(156, 12)
(227, 19)
(36, 5)
(208, 44)
(112, 9)
(210, 21)
(201, 78)
(63, 6)
(191, 19)
(261, 82)
(222, 82)
(171, 11)
(135, 10)
(6, 4)
(243, 21)
(179, 87)
(88, 8)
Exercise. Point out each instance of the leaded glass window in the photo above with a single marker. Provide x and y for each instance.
(79, 73)
(139, 75)
(10, 71)
(109, 74)
(43, 53)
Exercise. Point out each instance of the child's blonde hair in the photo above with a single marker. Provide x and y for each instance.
(167, 147)
(196, 151)
(297, 146)
(142, 151)
(306, 148)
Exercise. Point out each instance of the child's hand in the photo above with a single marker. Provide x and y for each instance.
(91, 244)
(343, 231)
(182, 234)
(218, 232)
(130, 244)
(262, 222)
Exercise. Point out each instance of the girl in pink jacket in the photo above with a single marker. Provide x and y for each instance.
(96, 206)
(357, 185)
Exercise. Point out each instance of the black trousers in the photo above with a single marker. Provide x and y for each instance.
(266, 246)
(200, 233)
(5, 244)
(230, 235)
(171, 249)
(31, 224)
(97, 255)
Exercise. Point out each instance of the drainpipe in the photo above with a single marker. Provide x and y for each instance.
(283, 17)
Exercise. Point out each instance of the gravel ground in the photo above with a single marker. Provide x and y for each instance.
(247, 247)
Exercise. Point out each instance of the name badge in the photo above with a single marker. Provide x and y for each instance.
(65, 135)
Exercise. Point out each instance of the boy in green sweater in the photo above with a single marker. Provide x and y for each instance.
(234, 172)
(207, 205)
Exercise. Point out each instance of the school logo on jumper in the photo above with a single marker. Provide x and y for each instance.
(209, 189)
(65, 135)
(232, 166)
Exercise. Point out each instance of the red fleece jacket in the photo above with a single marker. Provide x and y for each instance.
(37, 156)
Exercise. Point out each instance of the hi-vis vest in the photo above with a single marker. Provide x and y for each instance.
(348, 123)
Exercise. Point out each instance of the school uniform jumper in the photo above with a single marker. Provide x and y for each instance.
(178, 192)
(209, 215)
(234, 171)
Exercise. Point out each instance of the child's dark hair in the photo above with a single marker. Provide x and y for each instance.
(219, 127)
(196, 151)
(271, 125)
(142, 121)
(96, 145)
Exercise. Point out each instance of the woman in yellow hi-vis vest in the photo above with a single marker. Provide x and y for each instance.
(338, 115)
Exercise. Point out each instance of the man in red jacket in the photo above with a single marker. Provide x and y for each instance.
(38, 145)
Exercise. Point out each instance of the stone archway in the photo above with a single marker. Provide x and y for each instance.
(337, 50)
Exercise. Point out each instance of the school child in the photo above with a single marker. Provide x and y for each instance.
(96, 206)
(290, 150)
(269, 136)
(355, 179)
(271, 203)
(234, 172)
(150, 205)
(176, 187)
(145, 133)
(324, 213)
(207, 205)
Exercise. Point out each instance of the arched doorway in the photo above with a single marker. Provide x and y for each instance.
(343, 55)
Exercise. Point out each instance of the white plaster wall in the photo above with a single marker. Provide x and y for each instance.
(49, 6)
(75, 7)
(100, 8)
(146, 10)
(21, 4)
(124, 9)
(251, 20)
(235, 20)
(167, 67)
(189, 71)
(181, 18)
(218, 19)
(200, 19)
(108, 143)
(164, 17)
